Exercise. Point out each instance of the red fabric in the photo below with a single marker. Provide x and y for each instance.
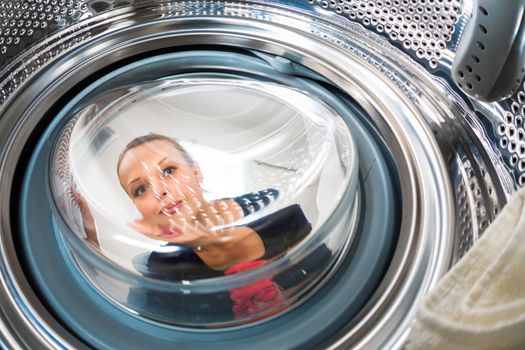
(244, 266)
(255, 297)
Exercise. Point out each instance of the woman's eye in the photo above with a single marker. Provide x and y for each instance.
(140, 190)
(168, 171)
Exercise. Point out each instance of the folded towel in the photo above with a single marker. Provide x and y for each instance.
(480, 302)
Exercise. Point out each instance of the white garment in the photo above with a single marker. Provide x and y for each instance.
(480, 302)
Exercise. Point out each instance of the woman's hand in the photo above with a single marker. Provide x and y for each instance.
(219, 249)
(88, 221)
(193, 235)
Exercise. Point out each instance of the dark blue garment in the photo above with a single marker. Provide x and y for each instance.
(255, 201)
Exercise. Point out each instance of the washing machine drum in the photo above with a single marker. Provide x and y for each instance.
(220, 175)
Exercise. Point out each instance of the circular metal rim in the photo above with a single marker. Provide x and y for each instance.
(377, 108)
(348, 200)
(336, 300)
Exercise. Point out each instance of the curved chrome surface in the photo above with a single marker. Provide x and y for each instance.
(456, 171)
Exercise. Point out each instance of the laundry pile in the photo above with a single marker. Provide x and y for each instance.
(480, 302)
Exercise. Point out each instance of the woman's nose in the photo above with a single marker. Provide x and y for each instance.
(161, 194)
(160, 188)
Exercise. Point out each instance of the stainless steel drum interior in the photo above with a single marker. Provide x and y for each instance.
(456, 160)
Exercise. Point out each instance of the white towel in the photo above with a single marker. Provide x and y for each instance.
(480, 302)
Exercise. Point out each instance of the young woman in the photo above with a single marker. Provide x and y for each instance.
(163, 181)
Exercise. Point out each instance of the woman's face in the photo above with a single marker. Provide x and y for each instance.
(161, 183)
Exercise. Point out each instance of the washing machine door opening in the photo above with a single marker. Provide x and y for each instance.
(162, 177)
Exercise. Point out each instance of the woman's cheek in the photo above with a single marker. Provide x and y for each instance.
(178, 184)
(145, 208)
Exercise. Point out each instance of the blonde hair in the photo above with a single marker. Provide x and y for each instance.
(154, 137)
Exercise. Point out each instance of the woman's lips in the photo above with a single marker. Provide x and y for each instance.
(171, 208)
